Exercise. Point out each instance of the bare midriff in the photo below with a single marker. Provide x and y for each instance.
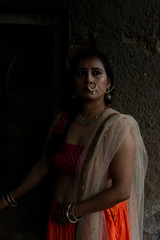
(63, 191)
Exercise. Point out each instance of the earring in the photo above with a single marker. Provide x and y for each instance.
(108, 97)
(109, 90)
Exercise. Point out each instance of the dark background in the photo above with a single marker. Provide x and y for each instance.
(36, 39)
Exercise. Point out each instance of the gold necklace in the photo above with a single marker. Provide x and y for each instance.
(86, 122)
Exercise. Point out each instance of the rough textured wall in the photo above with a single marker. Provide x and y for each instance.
(129, 31)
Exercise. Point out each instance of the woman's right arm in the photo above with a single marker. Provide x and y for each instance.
(37, 173)
(35, 176)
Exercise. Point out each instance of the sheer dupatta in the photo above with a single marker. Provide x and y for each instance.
(93, 226)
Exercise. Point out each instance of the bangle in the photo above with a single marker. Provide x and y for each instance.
(77, 218)
(9, 200)
(11, 197)
(5, 202)
(68, 213)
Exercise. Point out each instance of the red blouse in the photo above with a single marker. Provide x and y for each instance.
(66, 160)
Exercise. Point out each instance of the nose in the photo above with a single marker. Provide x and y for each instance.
(89, 78)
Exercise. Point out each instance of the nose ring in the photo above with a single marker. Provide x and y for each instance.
(94, 88)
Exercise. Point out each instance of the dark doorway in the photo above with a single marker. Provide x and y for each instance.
(33, 51)
(31, 60)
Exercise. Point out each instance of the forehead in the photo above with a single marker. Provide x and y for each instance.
(90, 62)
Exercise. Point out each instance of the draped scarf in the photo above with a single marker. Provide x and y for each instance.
(91, 177)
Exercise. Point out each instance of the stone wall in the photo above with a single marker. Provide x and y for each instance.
(129, 31)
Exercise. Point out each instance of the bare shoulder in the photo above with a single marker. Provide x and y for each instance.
(128, 141)
(126, 123)
(126, 152)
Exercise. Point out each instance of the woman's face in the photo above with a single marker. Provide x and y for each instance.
(88, 72)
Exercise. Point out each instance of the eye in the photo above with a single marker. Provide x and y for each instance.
(80, 73)
(96, 72)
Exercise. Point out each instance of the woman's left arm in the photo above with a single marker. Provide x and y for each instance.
(121, 169)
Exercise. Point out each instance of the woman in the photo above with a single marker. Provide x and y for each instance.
(99, 161)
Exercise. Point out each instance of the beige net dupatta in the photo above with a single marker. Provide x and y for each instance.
(92, 174)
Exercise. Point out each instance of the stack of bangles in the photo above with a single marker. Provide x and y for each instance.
(68, 213)
(9, 200)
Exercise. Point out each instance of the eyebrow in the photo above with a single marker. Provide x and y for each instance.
(94, 68)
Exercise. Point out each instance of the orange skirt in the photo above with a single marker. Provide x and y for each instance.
(116, 220)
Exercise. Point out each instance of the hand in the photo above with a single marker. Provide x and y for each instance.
(59, 216)
(2, 204)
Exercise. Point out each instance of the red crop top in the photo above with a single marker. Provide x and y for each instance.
(66, 160)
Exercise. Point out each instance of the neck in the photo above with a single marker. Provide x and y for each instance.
(90, 109)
